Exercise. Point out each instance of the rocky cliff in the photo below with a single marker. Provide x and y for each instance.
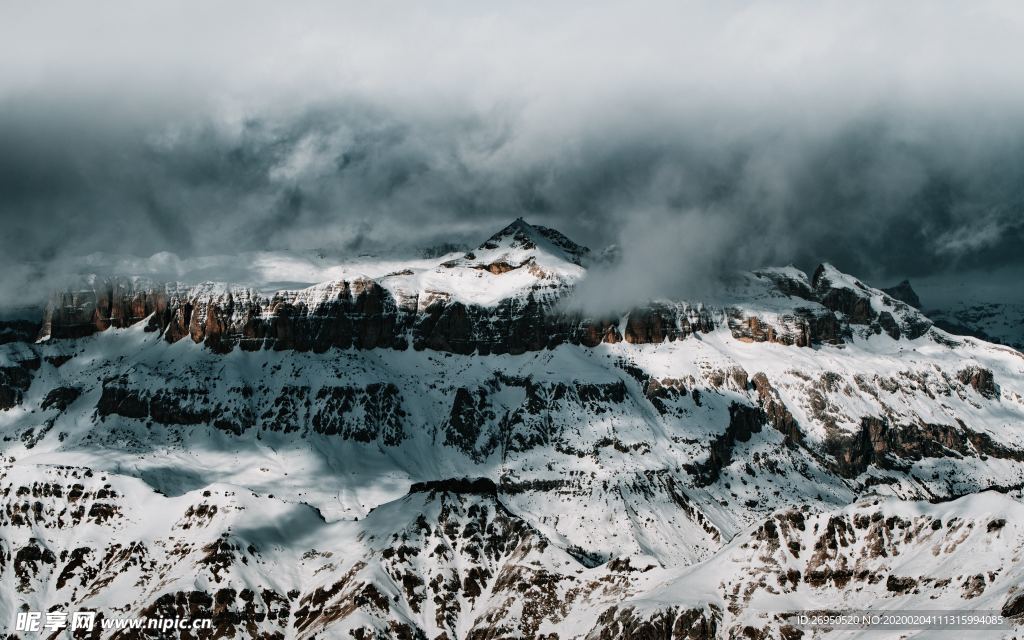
(520, 299)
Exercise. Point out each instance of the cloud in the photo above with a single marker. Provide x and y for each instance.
(975, 236)
(700, 137)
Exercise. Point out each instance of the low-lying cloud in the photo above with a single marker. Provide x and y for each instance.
(699, 137)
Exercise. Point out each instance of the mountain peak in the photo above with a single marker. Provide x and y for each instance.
(522, 235)
(905, 293)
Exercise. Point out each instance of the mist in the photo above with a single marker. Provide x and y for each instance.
(699, 137)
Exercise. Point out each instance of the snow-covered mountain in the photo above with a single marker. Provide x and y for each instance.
(971, 314)
(446, 449)
(998, 322)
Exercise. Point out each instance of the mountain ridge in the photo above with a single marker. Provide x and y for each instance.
(506, 299)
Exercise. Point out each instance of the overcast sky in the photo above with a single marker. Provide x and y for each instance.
(885, 137)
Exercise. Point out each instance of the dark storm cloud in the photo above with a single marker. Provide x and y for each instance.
(698, 137)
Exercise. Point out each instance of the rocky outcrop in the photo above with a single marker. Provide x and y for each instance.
(359, 314)
(358, 413)
(856, 304)
(904, 293)
(804, 327)
(672, 623)
(980, 379)
(474, 486)
(231, 612)
(1014, 606)
(663, 323)
(60, 398)
(99, 304)
(894, 447)
(775, 410)
(14, 382)
(744, 421)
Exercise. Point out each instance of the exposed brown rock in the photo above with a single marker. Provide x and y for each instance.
(775, 410)
(671, 623)
(980, 379)
(900, 584)
(885, 445)
(1014, 606)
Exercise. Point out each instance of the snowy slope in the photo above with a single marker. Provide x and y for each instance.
(998, 322)
(437, 449)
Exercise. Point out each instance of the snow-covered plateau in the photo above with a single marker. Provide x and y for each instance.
(448, 449)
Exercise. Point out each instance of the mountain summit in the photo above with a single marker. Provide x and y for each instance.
(523, 236)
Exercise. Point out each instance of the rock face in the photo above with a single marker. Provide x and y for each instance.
(451, 452)
(99, 304)
(367, 314)
(861, 305)
(904, 293)
(980, 379)
(531, 268)
(364, 315)
(16, 377)
(14, 382)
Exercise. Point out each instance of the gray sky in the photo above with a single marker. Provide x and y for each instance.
(885, 137)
